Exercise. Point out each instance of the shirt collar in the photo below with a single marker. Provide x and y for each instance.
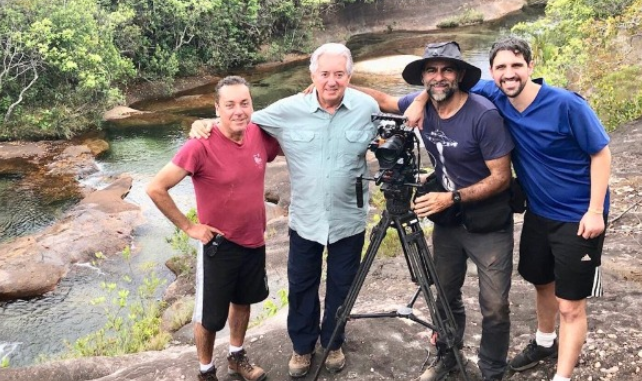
(345, 102)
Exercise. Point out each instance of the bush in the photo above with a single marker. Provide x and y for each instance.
(133, 324)
(468, 17)
(63, 62)
(584, 45)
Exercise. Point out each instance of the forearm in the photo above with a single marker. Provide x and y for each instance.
(600, 173)
(422, 99)
(496, 182)
(167, 206)
(416, 109)
(387, 103)
(485, 188)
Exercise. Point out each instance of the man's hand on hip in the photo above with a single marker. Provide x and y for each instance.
(202, 232)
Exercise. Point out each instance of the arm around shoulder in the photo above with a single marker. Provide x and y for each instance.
(386, 102)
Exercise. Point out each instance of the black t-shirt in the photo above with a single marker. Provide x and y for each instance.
(459, 146)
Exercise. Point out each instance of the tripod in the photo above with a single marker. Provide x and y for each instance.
(422, 272)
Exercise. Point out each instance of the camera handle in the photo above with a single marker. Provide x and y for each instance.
(422, 272)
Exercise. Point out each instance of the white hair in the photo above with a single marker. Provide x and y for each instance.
(334, 49)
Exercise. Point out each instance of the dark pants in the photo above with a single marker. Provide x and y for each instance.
(492, 253)
(304, 276)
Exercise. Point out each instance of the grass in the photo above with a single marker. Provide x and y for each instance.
(469, 17)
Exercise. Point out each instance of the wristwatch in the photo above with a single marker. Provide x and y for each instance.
(456, 197)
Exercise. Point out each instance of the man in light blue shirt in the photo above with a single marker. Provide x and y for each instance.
(324, 136)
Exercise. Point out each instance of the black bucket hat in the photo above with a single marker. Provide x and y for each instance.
(413, 73)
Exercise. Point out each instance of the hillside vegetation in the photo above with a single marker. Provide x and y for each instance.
(593, 47)
(64, 62)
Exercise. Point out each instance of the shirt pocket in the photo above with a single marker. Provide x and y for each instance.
(302, 148)
(353, 148)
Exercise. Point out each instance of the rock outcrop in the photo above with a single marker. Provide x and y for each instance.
(103, 222)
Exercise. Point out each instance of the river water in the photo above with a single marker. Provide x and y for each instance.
(37, 329)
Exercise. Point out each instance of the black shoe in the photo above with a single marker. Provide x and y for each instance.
(210, 375)
(532, 355)
(439, 370)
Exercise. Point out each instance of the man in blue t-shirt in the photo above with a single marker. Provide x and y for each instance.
(563, 160)
(470, 148)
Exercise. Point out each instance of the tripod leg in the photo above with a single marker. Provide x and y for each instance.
(423, 268)
(343, 313)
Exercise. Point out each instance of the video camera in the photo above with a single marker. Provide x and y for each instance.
(394, 148)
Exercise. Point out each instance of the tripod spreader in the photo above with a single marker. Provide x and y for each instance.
(406, 312)
(422, 272)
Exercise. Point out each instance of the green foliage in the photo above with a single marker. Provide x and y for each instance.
(60, 67)
(468, 17)
(133, 321)
(182, 243)
(620, 96)
(182, 316)
(585, 45)
(63, 62)
(4, 363)
(176, 37)
(391, 244)
(271, 308)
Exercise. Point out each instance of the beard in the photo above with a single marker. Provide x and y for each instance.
(444, 95)
(515, 91)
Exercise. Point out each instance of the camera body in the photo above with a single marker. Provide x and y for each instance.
(394, 148)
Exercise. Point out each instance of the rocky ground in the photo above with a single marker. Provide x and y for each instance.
(395, 349)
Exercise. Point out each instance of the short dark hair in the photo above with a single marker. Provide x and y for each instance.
(514, 44)
(230, 80)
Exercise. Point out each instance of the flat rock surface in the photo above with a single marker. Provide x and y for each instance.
(395, 349)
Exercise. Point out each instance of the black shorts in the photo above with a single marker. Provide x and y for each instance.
(551, 251)
(235, 274)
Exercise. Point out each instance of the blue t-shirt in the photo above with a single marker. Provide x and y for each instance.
(555, 137)
(459, 146)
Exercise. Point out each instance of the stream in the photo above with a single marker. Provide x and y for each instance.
(36, 330)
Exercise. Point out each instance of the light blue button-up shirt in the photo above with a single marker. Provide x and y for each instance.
(325, 155)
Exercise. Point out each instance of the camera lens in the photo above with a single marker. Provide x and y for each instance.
(389, 151)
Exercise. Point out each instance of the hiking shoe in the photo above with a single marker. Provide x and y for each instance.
(532, 355)
(299, 365)
(440, 368)
(239, 365)
(336, 361)
(210, 375)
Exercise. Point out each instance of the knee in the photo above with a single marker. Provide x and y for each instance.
(572, 311)
(497, 311)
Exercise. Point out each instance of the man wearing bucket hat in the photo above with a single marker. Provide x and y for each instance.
(470, 150)
(563, 161)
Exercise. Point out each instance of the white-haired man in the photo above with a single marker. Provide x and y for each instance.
(324, 136)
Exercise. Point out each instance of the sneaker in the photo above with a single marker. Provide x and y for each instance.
(299, 365)
(532, 355)
(440, 368)
(210, 375)
(239, 365)
(336, 361)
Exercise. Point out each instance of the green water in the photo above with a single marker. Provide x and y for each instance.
(30, 329)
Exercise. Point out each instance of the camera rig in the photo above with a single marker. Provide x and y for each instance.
(399, 166)
(394, 147)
